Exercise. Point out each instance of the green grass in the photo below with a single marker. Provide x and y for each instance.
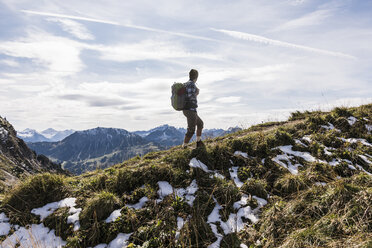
(299, 212)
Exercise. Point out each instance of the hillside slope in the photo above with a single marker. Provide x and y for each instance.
(17, 160)
(301, 183)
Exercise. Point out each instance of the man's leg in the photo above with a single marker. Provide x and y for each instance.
(191, 123)
(200, 125)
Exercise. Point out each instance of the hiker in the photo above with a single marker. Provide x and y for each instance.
(190, 111)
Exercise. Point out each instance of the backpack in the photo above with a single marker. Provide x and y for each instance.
(178, 97)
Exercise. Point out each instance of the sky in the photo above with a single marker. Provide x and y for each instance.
(83, 64)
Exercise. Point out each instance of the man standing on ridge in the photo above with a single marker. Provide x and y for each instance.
(190, 110)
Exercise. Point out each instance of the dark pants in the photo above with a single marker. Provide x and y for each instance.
(192, 120)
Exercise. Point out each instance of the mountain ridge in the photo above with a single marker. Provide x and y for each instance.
(47, 135)
(77, 158)
(17, 160)
(94, 148)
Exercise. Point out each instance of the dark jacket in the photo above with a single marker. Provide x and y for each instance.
(191, 92)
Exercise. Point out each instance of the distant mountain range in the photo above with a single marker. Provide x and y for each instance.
(49, 135)
(103, 147)
(94, 148)
(167, 136)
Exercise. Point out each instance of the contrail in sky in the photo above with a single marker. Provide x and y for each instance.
(119, 24)
(264, 40)
(235, 34)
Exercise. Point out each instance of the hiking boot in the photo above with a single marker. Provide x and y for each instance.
(199, 144)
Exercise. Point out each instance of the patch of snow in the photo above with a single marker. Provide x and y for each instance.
(3, 218)
(188, 193)
(214, 216)
(74, 218)
(351, 120)
(327, 150)
(349, 164)
(33, 236)
(4, 228)
(320, 184)
(180, 223)
(330, 127)
(120, 241)
(164, 189)
(113, 216)
(362, 169)
(3, 134)
(369, 128)
(49, 208)
(300, 142)
(4, 225)
(261, 202)
(307, 138)
(365, 159)
(242, 202)
(305, 155)
(235, 222)
(234, 175)
(100, 246)
(140, 204)
(218, 175)
(239, 153)
(334, 162)
(355, 140)
(219, 237)
(293, 168)
(248, 213)
(192, 188)
(243, 246)
(198, 164)
(27, 133)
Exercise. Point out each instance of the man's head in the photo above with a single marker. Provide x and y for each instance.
(193, 74)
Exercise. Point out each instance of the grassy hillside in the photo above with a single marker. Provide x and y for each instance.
(305, 182)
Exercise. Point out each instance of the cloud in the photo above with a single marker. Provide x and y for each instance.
(297, 2)
(147, 50)
(264, 40)
(314, 18)
(229, 99)
(94, 101)
(58, 54)
(10, 62)
(76, 29)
